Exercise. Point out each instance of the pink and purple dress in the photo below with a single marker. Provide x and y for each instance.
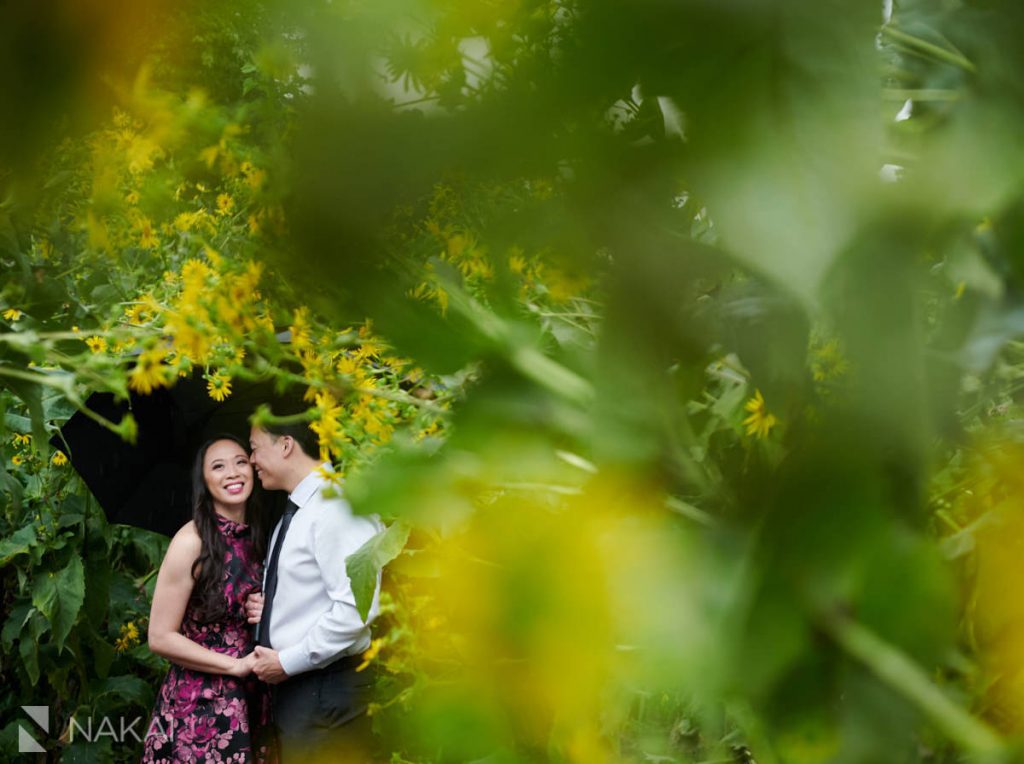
(203, 717)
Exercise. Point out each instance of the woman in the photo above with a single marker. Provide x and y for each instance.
(209, 708)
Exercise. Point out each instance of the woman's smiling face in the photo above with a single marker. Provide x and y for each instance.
(228, 474)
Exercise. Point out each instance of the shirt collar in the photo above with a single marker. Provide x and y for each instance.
(309, 485)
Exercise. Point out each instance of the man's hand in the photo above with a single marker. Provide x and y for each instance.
(254, 607)
(268, 666)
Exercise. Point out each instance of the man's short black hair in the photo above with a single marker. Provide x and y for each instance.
(300, 433)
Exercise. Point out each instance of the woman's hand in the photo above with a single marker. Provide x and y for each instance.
(254, 607)
(243, 666)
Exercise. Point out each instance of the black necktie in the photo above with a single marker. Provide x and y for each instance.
(270, 588)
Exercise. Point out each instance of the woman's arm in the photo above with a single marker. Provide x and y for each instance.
(174, 585)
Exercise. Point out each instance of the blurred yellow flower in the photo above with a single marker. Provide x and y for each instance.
(369, 349)
(828, 362)
(195, 273)
(150, 372)
(371, 652)
(254, 177)
(328, 425)
(225, 204)
(516, 262)
(300, 329)
(134, 313)
(96, 344)
(20, 439)
(17, 460)
(147, 235)
(59, 459)
(348, 365)
(12, 314)
(760, 422)
(218, 386)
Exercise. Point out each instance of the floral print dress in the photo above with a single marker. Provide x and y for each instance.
(202, 717)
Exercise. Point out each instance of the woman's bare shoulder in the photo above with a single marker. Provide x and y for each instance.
(187, 539)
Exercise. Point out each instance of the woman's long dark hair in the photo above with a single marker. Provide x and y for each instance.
(208, 570)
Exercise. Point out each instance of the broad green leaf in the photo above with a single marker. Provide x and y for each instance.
(59, 596)
(129, 690)
(103, 655)
(365, 563)
(18, 543)
(17, 422)
(14, 624)
(28, 646)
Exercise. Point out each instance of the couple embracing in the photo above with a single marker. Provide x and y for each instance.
(263, 657)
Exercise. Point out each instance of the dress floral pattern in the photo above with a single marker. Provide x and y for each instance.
(203, 717)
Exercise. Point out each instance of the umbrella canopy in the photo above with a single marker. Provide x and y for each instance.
(148, 484)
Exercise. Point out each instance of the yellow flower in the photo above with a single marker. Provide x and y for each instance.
(334, 477)
(59, 459)
(132, 198)
(17, 460)
(96, 344)
(253, 177)
(369, 349)
(21, 440)
(327, 427)
(300, 329)
(225, 204)
(516, 262)
(429, 430)
(12, 314)
(371, 652)
(147, 235)
(828, 362)
(134, 313)
(185, 221)
(194, 273)
(348, 365)
(760, 422)
(218, 386)
(150, 372)
(129, 637)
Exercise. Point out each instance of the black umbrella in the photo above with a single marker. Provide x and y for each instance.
(148, 484)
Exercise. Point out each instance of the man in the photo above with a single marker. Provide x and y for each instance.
(310, 635)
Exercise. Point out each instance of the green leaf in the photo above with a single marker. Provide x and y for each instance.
(14, 624)
(365, 563)
(28, 646)
(103, 655)
(17, 422)
(31, 396)
(129, 690)
(17, 543)
(56, 406)
(59, 597)
(11, 484)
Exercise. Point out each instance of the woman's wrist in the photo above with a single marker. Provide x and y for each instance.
(236, 669)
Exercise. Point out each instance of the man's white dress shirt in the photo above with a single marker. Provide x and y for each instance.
(314, 620)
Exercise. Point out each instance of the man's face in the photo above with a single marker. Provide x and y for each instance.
(266, 458)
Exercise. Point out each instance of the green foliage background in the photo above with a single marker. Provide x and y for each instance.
(678, 342)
